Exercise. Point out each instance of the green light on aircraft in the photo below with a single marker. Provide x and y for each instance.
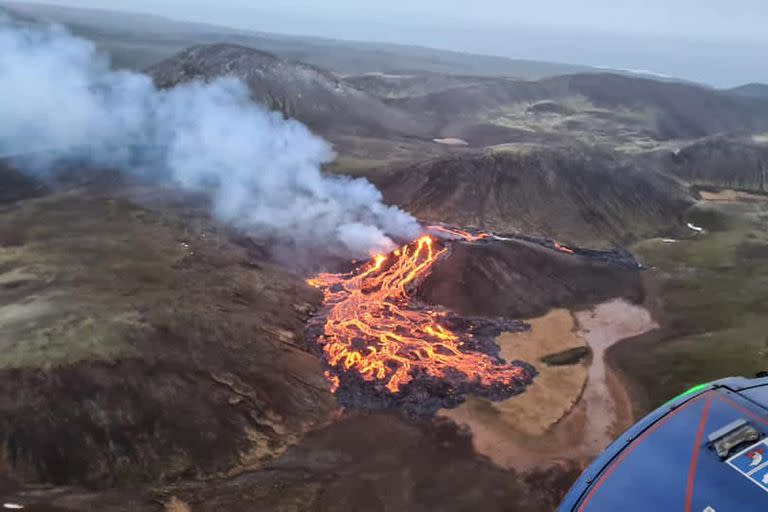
(693, 390)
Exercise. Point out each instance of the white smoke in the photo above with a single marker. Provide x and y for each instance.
(262, 171)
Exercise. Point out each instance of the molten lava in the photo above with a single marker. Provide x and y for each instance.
(375, 328)
(459, 233)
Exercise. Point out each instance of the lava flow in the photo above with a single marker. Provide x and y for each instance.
(373, 327)
(459, 233)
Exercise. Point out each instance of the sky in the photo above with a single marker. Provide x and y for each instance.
(718, 42)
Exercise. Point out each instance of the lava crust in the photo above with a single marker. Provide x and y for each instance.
(385, 349)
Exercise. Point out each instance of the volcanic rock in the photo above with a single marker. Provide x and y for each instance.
(522, 279)
(576, 196)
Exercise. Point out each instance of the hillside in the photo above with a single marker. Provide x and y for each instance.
(137, 41)
(750, 90)
(371, 89)
(683, 110)
(138, 348)
(304, 92)
(576, 196)
(588, 104)
(728, 162)
(397, 86)
(523, 279)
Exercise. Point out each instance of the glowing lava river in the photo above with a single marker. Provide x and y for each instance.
(385, 348)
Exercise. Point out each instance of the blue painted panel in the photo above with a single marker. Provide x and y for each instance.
(648, 468)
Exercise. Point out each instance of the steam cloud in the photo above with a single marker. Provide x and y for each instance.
(263, 172)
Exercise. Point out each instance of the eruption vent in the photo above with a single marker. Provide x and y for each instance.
(376, 331)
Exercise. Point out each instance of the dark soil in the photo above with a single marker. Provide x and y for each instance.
(381, 462)
(158, 351)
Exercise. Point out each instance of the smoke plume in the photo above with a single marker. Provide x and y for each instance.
(262, 172)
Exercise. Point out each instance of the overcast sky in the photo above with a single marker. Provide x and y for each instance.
(714, 41)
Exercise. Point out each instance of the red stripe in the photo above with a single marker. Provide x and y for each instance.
(733, 403)
(627, 451)
(695, 456)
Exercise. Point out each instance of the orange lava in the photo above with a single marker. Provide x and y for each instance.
(460, 233)
(560, 247)
(371, 327)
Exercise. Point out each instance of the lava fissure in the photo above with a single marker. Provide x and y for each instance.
(383, 348)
